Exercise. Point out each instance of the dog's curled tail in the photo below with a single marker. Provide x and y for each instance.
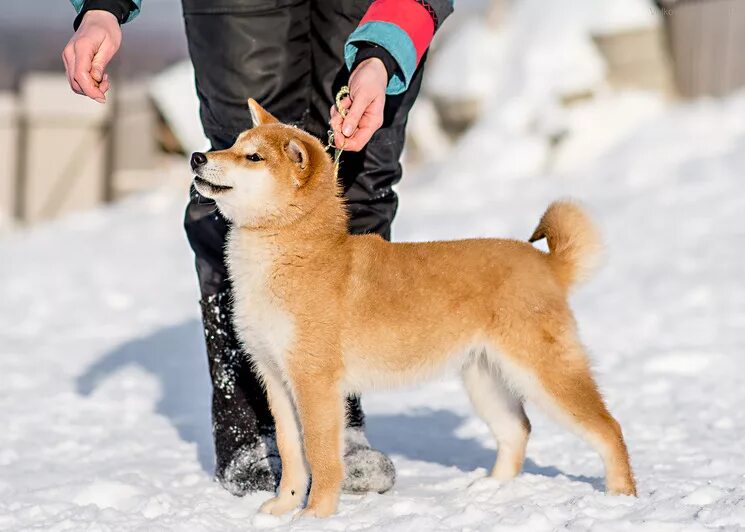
(573, 241)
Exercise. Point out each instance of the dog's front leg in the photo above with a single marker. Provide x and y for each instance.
(321, 410)
(294, 482)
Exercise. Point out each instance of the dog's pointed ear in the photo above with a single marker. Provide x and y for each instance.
(259, 116)
(297, 152)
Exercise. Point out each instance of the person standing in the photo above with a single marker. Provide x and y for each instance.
(292, 56)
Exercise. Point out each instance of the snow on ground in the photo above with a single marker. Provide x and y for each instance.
(104, 402)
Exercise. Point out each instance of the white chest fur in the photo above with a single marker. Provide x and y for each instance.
(264, 327)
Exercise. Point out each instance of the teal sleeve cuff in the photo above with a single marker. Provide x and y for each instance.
(131, 8)
(396, 42)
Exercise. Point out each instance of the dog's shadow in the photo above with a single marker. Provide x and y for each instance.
(429, 436)
(176, 356)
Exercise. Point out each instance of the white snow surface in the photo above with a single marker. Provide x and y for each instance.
(104, 394)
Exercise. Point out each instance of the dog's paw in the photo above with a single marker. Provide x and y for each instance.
(621, 483)
(318, 511)
(279, 505)
(485, 484)
(310, 513)
(622, 489)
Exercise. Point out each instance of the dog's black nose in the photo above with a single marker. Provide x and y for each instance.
(198, 159)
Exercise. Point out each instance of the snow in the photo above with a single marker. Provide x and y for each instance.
(104, 388)
(104, 400)
(536, 51)
(518, 69)
(174, 95)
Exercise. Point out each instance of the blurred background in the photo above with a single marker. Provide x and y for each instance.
(561, 82)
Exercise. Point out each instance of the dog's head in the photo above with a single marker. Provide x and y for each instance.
(272, 176)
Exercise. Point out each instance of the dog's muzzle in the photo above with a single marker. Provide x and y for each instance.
(198, 161)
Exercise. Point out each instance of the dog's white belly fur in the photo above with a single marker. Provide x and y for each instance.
(266, 330)
(364, 371)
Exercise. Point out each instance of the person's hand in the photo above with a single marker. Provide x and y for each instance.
(89, 51)
(364, 106)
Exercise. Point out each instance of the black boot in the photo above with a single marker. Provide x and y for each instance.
(245, 448)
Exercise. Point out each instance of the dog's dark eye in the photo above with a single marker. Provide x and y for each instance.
(254, 157)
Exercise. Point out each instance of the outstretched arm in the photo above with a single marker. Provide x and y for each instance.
(97, 38)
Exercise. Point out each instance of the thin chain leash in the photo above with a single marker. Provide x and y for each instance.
(343, 93)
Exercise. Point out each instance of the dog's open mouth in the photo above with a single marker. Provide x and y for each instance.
(211, 186)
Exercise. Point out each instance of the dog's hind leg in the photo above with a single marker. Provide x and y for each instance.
(502, 411)
(551, 368)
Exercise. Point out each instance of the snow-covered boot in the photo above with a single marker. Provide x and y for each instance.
(365, 468)
(246, 456)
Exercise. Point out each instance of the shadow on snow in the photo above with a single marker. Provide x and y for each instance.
(176, 356)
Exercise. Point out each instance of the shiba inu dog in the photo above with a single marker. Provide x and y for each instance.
(325, 314)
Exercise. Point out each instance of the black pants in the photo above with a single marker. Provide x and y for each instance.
(288, 55)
